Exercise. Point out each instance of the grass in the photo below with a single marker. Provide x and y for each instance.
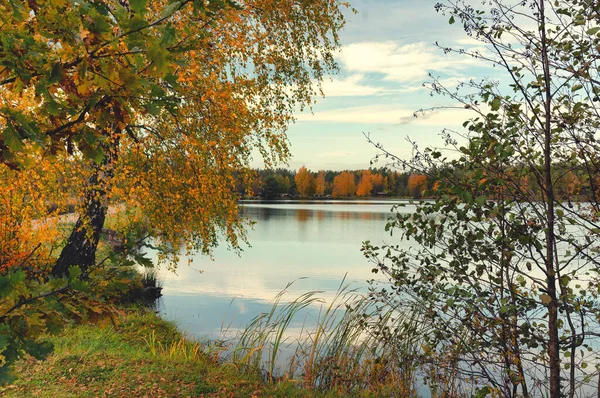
(353, 350)
(142, 356)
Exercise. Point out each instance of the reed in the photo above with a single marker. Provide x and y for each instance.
(182, 348)
(354, 344)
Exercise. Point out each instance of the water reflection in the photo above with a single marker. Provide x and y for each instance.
(302, 215)
(290, 241)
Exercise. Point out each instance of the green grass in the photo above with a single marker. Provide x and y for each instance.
(348, 353)
(142, 356)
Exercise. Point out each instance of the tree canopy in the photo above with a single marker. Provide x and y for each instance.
(167, 98)
(149, 109)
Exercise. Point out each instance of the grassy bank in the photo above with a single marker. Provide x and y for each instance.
(136, 353)
(139, 355)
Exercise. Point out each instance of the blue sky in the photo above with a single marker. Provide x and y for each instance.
(387, 51)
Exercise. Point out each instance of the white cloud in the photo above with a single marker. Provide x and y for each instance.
(353, 86)
(468, 41)
(388, 114)
(401, 63)
(350, 86)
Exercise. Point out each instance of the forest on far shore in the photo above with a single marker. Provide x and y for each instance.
(304, 183)
(386, 182)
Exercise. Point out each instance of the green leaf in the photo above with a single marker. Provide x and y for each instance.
(451, 20)
(12, 139)
(53, 108)
(593, 31)
(38, 350)
(576, 87)
(142, 260)
(158, 56)
(6, 375)
(91, 152)
(483, 392)
(495, 104)
(168, 10)
(74, 272)
(56, 74)
(138, 6)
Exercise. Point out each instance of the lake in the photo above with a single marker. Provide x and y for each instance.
(314, 243)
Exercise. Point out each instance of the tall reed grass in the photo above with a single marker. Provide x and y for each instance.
(182, 348)
(353, 344)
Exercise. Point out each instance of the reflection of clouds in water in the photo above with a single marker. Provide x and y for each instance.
(289, 242)
(241, 287)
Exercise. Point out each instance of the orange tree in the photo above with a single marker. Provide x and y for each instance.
(320, 183)
(305, 182)
(417, 184)
(344, 185)
(365, 185)
(160, 103)
(166, 98)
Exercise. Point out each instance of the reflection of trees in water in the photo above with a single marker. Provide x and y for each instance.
(259, 213)
(302, 215)
(366, 216)
(346, 215)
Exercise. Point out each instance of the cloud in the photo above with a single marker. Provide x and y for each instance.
(350, 86)
(388, 114)
(401, 62)
(354, 86)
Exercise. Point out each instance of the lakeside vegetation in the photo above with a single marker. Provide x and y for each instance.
(570, 182)
(158, 106)
(138, 113)
(139, 355)
(133, 352)
(304, 183)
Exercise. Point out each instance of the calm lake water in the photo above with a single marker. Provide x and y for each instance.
(315, 244)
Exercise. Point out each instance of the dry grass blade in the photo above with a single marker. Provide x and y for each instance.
(350, 345)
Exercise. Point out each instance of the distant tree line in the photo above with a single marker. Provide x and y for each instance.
(384, 182)
(304, 183)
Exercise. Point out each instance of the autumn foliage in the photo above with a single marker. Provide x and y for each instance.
(365, 186)
(166, 99)
(417, 184)
(142, 113)
(305, 182)
(344, 185)
(320, 183)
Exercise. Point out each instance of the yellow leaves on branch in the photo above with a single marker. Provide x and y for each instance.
(179, 96)
(31, 202)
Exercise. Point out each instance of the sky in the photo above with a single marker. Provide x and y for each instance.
(387, 52)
